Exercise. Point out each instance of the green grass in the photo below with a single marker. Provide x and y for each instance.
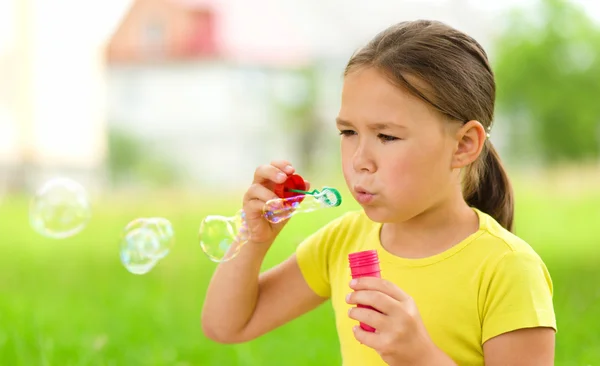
(70, 302)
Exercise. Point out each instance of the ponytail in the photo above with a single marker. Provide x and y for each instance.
(487, 187)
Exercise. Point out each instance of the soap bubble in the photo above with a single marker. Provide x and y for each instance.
(145, 242)
(163, 231)
(136, 246)
(221, 238)
(59, 209)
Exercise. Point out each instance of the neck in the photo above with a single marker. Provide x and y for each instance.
(432, 231)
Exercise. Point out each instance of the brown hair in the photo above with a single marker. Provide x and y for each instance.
(459, 83)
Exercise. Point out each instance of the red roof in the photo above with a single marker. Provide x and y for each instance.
(237, 30)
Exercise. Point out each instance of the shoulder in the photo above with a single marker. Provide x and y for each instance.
(516, 287)
(501, 243)
(507, 259)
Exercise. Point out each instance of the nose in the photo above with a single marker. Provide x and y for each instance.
(363, 160)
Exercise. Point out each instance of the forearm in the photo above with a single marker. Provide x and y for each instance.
(232, 294)
(439, 358)
(430, 356)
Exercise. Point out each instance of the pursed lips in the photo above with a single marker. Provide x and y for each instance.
(362, 195)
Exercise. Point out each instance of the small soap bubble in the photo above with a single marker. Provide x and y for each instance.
(162, 229)
(221, 238)
(145, 241)
(59, 209)
(135, 247)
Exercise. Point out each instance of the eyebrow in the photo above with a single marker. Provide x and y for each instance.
(377, 126)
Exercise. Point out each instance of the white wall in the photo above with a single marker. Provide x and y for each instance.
(214, 120)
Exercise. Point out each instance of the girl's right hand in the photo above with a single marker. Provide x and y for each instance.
(265, 178)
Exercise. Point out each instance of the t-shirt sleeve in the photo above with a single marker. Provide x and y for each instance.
(519, 296)
(313, 257)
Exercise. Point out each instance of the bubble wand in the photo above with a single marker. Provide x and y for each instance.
(280, 209)
(221, 238)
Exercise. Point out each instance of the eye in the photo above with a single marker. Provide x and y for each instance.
(387, 138)
(347, 133)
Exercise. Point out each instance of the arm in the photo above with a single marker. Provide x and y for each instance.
(519, 323)
(241, 305)
(523, 347)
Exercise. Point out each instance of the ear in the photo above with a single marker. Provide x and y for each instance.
(470, 139)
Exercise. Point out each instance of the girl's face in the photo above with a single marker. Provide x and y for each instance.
(396, 151)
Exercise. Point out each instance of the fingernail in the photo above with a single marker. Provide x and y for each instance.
(288, 168)
(281, 176)
(347, 297)
(353, 282)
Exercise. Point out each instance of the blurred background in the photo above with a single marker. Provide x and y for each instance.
(165, 108)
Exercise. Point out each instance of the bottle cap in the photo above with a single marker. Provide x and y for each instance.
(365, 263)
(293, 181)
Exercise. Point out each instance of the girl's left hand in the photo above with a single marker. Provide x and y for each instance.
(400, 337)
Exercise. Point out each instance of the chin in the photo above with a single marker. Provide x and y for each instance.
(386, 215)
(379, 214)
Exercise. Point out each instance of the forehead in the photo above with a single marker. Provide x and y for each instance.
(368, 95)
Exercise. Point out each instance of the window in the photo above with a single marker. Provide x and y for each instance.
(153, 40)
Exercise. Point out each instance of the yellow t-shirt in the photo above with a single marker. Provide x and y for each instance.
(490, 283)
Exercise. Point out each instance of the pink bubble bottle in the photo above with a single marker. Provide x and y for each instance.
(364, 264)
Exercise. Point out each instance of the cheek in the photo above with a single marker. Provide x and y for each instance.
(417, 168)
(346, 155)
(401, 172)
(430, 156)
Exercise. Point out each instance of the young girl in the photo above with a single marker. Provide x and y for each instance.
(457, 286)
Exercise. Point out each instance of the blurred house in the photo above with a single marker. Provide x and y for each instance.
(199, 83)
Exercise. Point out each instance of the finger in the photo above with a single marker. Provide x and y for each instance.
(368, 316)
(260, 193)
(269, 173)
(376, 299)
(381, 285)
(307, 183)
(259, 200)
(284, 166)
(369, 339)
(255, 209)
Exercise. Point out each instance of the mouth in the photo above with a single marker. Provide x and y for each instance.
(362, 195)
(361, 190)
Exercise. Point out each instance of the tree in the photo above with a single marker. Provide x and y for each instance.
(547, 66)
(299, 113)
